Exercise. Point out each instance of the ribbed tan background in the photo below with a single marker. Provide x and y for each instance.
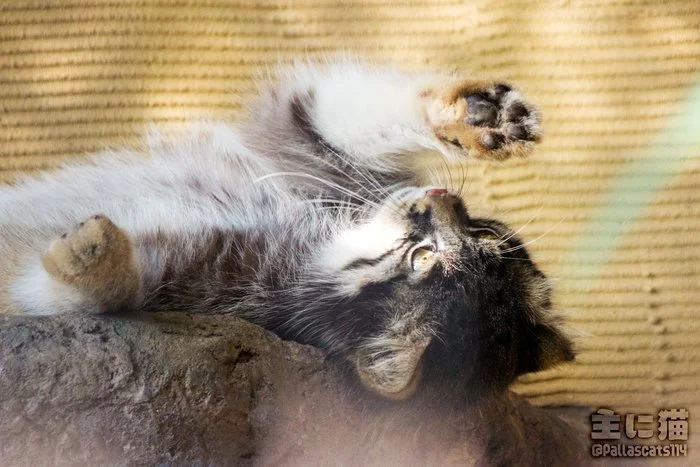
(614, 190)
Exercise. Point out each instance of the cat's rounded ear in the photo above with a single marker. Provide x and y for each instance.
(392, 367)
(542, 346)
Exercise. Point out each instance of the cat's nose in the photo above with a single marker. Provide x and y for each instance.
(436, 192)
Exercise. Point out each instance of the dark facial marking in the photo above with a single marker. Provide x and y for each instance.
(421, 221)
(374, 261)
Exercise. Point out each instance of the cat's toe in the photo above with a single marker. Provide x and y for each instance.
(501, 107)
(82, 250)
(92, 238)
(516, 112)
(492, 140)
(515, 132)
(97, 258)
(481, 111)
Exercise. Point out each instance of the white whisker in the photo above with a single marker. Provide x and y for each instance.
(519, 247)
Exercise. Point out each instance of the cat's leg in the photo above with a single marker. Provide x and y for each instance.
(90, 268)
(373, 114)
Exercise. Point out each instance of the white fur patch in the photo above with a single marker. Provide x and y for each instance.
(36, 292)
(367, 241)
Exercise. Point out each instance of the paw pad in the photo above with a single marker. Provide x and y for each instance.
(500, 108)
(492, 140)
(481, 111)
(490, 121)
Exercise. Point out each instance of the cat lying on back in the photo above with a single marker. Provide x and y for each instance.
(305, 218)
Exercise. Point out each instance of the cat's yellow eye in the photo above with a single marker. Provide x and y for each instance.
(421, 258)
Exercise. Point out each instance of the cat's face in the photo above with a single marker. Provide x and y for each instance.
(427, 294)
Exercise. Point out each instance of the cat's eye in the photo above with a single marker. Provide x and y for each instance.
(421, 258)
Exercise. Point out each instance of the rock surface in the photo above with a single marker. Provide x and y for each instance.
(175, 389)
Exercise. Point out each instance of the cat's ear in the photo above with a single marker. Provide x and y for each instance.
(392, 366)
(543, 346)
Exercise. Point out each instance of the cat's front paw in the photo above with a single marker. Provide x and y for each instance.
(487, 120)
(97, 258)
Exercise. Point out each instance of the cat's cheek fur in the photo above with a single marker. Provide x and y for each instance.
(369, 240)
(368, 243)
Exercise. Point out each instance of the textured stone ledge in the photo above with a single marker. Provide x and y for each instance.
(176, 389)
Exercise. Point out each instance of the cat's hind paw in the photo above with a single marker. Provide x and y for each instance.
(97, 258)
(486, 120)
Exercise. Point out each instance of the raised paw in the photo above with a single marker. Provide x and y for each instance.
(96, 257)
(487, 120)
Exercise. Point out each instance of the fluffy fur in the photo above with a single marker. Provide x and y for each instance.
(305, 217)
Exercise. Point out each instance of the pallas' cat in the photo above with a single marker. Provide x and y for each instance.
(305, 217)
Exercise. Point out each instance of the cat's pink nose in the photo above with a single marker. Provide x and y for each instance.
(436, 192)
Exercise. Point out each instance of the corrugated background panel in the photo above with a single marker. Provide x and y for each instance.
(611, 201)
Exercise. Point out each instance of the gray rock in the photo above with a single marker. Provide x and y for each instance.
(176, 389)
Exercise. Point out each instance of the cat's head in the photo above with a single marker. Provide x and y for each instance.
(425, 294)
